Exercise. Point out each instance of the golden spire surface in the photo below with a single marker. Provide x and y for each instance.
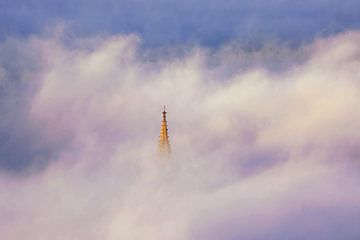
(164, 144)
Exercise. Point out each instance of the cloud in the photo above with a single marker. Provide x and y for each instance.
(259, 151)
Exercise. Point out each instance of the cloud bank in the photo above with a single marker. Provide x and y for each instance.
(265, 143)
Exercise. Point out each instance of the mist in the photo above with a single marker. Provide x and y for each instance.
(264, 142)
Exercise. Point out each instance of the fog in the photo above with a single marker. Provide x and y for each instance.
(264, 143)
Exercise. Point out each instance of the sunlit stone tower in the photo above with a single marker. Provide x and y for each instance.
(164, 144)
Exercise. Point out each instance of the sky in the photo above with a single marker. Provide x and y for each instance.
(208, 23)
(262, 100)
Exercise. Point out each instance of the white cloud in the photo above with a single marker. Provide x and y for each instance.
(257, 153)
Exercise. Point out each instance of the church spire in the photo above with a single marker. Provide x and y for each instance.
(164, 144)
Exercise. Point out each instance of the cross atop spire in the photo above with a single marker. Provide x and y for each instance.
(164, 144)
(164, 114)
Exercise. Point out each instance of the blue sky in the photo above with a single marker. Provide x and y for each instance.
(167, 22)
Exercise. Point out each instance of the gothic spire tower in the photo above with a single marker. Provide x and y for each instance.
(164, 144)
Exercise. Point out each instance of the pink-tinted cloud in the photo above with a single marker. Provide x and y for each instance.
(258, 153)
